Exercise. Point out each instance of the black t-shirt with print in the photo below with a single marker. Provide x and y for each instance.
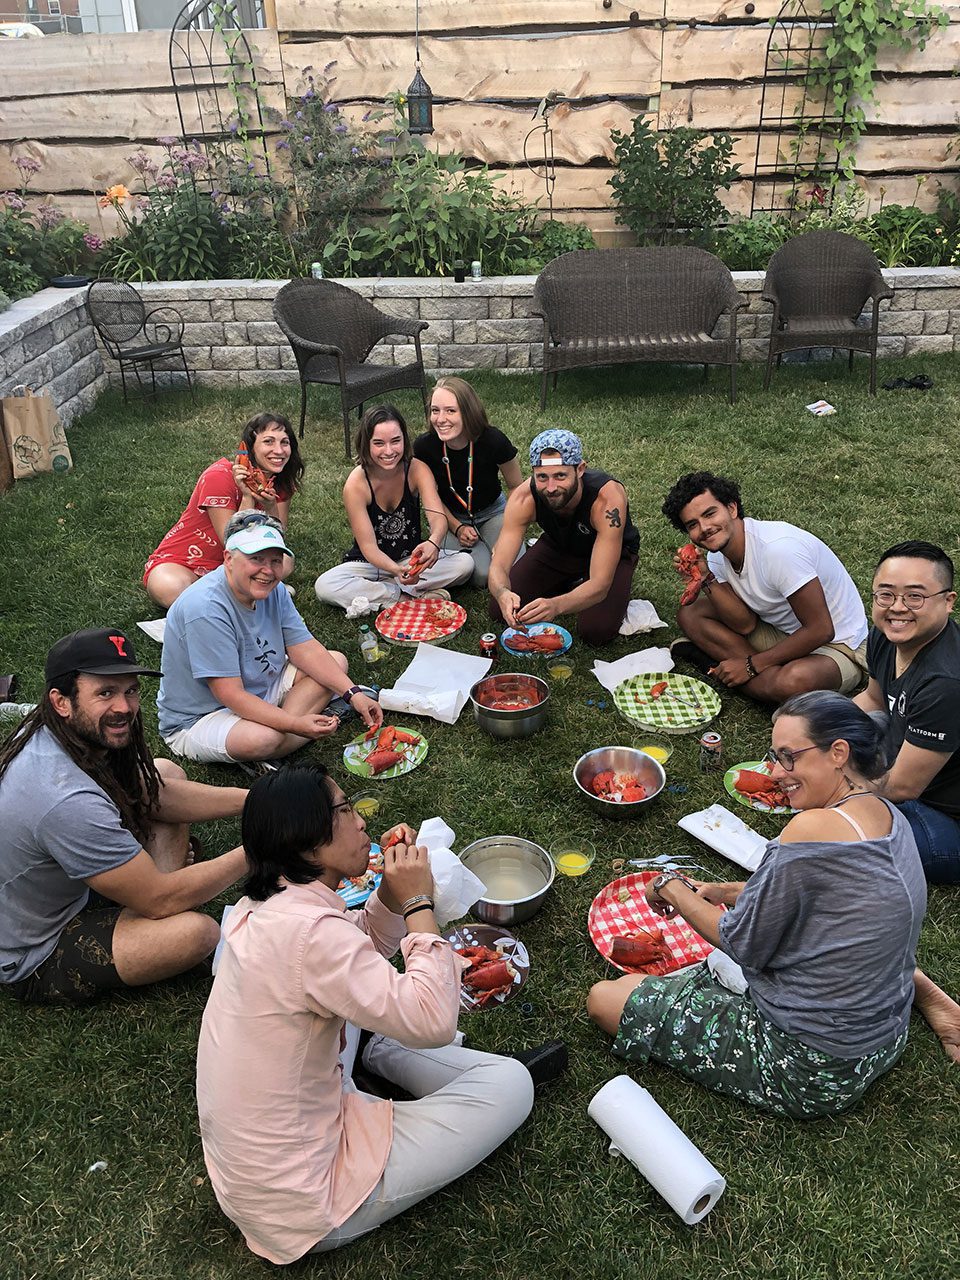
(924, 706)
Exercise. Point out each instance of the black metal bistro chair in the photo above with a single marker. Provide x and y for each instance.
(818, 284)
(332, 331)
(134, 336)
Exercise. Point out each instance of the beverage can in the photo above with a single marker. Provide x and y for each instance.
(475, 269)
(711, 752)
(488, 645)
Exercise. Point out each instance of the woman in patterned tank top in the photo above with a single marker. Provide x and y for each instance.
(383, 496)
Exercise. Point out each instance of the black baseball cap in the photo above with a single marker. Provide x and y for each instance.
(96, 652)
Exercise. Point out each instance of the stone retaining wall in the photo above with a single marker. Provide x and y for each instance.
(230, 337)
(48, 343)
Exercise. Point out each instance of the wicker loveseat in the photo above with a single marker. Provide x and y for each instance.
(617, 306)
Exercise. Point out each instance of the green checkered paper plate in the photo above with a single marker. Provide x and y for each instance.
(685, 706)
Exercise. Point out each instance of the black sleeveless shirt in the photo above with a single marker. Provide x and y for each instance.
(574, 535)
(397, 532)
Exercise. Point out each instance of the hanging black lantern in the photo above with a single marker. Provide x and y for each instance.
(419, 95)
(419, 105)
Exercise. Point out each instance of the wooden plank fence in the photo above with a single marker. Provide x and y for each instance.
(81, 104)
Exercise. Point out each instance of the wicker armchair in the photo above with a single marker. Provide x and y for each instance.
(134, 336)
(618, 306)
(818, 284)
(332, 331)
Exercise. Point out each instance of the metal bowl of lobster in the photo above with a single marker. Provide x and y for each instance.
(510, 705)
(517, 874)
(618, 781)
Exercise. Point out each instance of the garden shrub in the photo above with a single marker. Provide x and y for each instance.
(666, 182)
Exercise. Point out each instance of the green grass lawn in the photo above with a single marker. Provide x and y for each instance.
(872, 1194)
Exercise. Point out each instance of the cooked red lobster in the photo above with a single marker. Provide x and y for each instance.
(642, 952)
(256, 480)
(761, 787)
(548, 641)
(690, 566)
(620, 787)
(489, 974)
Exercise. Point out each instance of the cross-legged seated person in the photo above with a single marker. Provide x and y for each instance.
(243, 678)
(913, 653)
(97, 887)
(825, 933)
(298, 1158)
(584, 560)
(383, 496)
(778, 614)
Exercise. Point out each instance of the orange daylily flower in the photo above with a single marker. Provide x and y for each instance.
(114, 195)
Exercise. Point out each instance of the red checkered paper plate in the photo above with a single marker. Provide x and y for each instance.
(408, 622)
(610, 918)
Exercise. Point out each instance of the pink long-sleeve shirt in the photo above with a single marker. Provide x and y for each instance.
(290, 1153)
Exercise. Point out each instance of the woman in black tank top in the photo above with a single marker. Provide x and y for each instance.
(383, 497)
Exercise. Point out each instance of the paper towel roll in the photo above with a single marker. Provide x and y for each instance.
(643, 1132)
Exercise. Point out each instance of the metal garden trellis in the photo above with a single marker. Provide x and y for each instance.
(211, 65)
(795, 111)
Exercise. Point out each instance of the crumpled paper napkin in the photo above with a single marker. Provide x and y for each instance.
(640, 616)
(729, 835)
(610, 674)
(455, 887)
(437, 683)
(359, 606)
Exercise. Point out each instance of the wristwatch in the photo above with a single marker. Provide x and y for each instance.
(666, 876)
(352, 692)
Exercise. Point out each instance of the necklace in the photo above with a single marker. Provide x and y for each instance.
(468, 505)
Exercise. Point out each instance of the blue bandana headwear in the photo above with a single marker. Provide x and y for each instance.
(556, 440)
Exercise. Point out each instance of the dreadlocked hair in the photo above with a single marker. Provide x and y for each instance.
(127, 774)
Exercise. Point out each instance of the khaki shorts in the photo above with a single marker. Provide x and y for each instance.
(206, 739)
(852, 662)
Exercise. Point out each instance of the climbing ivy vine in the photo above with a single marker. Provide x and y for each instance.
(861, 28)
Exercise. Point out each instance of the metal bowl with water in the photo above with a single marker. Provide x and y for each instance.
(530, 694)
(648, 771)
(518, 875)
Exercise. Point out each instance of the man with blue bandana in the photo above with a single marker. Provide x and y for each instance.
(584, 560)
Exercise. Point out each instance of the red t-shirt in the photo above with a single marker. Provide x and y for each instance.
(193, 541)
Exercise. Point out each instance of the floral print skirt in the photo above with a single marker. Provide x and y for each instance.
(690, 1022)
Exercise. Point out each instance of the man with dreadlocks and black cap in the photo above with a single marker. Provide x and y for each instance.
(97, 886)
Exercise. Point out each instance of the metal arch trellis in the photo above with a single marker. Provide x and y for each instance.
(795, 114)
(211, 66)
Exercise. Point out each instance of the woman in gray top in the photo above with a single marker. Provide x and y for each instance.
(825, 932)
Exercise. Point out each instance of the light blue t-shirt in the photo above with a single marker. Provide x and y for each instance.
(209, 634)
(58, 828)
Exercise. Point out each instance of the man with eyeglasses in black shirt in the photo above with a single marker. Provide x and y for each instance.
(913, 657)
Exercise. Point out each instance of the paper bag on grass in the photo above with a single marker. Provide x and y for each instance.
(34, 437)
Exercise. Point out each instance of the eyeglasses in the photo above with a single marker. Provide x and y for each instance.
(345, 804)
(913, 600)
(785, 758)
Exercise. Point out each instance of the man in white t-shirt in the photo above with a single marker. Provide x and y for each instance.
(777, 613)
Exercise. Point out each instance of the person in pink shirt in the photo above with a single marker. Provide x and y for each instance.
(299, 1159)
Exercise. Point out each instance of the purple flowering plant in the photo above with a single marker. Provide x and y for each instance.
(38, 241)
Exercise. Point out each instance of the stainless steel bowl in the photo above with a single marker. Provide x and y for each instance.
(511, 724)
(498, 860)
(621, 760)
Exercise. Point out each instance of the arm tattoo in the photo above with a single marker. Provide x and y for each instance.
(613, 518)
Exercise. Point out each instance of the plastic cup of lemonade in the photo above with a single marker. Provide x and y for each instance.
(573, 857)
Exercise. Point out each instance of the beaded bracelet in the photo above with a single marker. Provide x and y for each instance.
(752, 671)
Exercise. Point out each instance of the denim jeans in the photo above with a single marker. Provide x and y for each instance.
(938, 839)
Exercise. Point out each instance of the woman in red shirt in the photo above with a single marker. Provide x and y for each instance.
(194, 546)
